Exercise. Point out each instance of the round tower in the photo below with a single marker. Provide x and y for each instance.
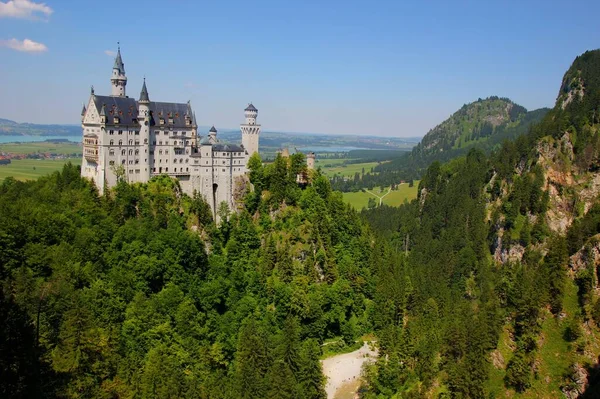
(310, 161)
(118, 79)
(250, 130)
(212, 135)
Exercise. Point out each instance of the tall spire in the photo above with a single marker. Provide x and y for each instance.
(118, 80)
(119, 61)
(83, 110)
(144, 93)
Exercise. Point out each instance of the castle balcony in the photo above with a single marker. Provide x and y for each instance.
(90, 147)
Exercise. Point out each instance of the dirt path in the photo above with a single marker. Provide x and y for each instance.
(341, 369)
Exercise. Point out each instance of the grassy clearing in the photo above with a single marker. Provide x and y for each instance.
(360, 199)
(41, 147)
(30, 169)
(339, 168)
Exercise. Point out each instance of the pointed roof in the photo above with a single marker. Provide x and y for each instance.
(83, 110)
(212, 130)
(251, 107)
(144, 93)
(119, 62)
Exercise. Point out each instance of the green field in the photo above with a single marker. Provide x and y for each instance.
(360, 199)
(336, 166)
(41, 147)
(30, 169)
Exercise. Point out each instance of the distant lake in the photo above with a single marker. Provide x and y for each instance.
(30, 139)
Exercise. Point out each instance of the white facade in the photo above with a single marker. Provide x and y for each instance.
(141, 139)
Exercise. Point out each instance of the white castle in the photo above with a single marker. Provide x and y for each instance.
(141, 139)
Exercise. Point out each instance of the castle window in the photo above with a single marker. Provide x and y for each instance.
(160, 143)
(186, 160)
(145, 141)
(137, 152)
(137, 133)
(166, 169)
(120, 142)
(130, 142)
(111, 142)
(160, 152)
(123, 162)
(130, 152)
(111, 162)
(111, 152)
(166, 133)
(166, 151)
(122, 152)
(111, 132)
(137, 143)
(137, 161)
(187, 169)
(120, 132)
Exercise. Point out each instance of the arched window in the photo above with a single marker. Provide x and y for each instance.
(130, 152)
(123, 162)
(137, 152)
(160, 152)
(120, 142)
(130, 142)
(111, 152)
(122, 152)
(112, 142)
(145, 141)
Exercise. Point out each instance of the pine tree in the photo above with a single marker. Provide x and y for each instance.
(310, 378)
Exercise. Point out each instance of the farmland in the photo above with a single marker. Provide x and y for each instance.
(30, 169)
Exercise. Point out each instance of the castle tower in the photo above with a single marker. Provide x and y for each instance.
(250, 130)
(212, 135)
(118, 80)
(310, 161)
(144, 121)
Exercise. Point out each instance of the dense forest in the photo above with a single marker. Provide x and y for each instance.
(484, 286)
(138, 293)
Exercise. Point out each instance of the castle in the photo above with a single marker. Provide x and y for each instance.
(136, 140)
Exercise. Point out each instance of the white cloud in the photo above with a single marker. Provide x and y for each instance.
(24, 9)
(110, 53)
(27, 46)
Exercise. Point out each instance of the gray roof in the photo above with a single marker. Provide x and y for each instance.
(212, 129)
(227, 148)
(119, 63)
(123, 107)
(126, 109)
(251, 107)
(144, 93)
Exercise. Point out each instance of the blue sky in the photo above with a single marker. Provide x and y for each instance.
(363, 67)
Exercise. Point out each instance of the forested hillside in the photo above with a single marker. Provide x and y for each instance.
(483, 124)
(138, 293)
(494, 292)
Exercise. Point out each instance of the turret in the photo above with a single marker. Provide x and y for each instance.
(83, 111)
(103, 114)
(250, 130)
(144, 119)
(118, 79)
(310, 160)
(212, 135)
